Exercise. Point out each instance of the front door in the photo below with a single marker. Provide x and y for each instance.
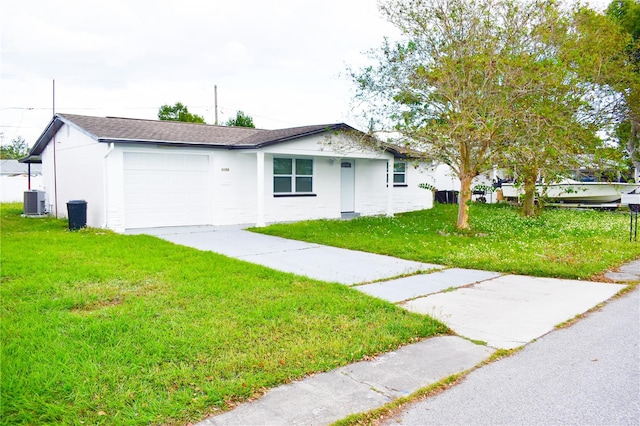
(347, 182)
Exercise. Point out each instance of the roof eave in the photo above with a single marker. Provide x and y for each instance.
(408, 155)
(41, 143)
(331, 127)
(175, 144)
(31, 159)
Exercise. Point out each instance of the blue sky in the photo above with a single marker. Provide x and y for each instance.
(280, 61)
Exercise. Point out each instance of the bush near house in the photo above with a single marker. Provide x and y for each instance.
(102, 328)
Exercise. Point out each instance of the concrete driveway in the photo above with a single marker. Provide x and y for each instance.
(311, 260)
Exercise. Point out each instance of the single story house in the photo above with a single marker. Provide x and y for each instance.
(137, 173)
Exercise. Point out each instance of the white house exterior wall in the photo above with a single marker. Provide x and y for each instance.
(371, 187)
(114, 188)
(234, 178)
(78, 173)
(317, 146)
(411, 197)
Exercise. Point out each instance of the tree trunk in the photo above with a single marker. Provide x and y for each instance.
(528, 204)
(463, 202)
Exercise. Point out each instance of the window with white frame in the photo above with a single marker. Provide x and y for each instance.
(292, 175)
(399, 173)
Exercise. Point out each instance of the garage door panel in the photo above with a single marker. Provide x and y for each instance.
(166, 190)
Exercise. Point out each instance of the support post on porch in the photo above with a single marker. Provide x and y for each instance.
(260, 188)
(390, 188)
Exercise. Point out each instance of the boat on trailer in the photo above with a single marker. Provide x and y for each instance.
(572, 193)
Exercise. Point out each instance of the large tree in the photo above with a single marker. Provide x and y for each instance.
(479, 83)
(561, 97)
(178, 112)
(241, 120)
(16, 149)
(451, 87)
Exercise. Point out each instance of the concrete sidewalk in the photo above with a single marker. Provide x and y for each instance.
(505, 311)
(328, 397)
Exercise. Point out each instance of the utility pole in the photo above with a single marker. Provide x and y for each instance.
(55, 166)
(215, 95)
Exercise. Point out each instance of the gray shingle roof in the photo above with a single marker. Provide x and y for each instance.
(122, 130)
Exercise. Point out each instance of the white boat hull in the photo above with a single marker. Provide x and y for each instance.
(578, 192)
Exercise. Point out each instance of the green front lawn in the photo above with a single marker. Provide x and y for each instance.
(101, 328)
(558, 243)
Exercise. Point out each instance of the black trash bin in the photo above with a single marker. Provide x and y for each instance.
(77, 210)
(447, 197)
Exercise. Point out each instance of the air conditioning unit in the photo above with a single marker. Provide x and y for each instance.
(34, 202)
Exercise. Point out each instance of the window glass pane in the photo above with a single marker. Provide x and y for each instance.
(304, 184)
(304, 167)
(398, 178)
(281, 184)
(282, 166)
(399, 167)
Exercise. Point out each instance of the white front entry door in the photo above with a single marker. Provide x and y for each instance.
(348, 185)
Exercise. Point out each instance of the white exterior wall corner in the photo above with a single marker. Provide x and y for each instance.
(78, 175)
(411, 197)
(114, 189)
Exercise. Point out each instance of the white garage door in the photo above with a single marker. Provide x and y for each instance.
(166, 190)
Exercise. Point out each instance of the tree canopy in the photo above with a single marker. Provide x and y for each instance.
(481, 83)
(626, 79)
(16, 149)
(565, 98)
(241, 120)
(178, 112)
(627, 14)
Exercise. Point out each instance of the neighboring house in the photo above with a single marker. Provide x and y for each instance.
(445, 179)
(145, 173)
(15, 179)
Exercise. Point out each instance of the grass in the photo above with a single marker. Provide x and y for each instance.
(102, 328)
(564, 243)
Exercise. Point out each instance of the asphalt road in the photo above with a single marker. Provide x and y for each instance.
(586, 374)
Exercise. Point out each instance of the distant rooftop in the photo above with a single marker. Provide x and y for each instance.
(13, 167)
